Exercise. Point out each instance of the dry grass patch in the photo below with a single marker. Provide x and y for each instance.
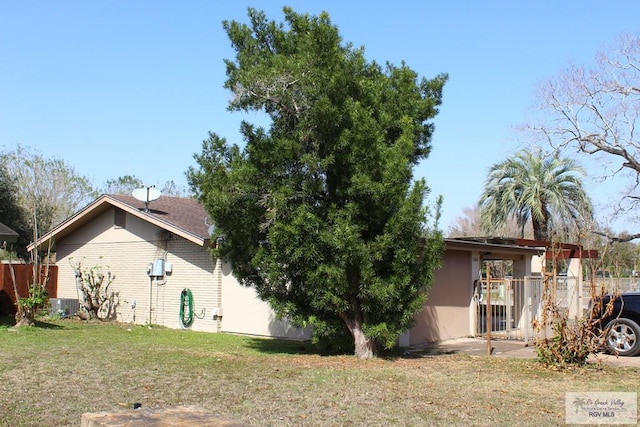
(53, 373)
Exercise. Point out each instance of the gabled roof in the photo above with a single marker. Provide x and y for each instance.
(182, 216)
(7, 234)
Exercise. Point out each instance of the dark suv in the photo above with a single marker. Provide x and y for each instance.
(622, 326)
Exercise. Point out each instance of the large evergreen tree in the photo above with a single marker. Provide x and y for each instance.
(531, 186)
(320, 213)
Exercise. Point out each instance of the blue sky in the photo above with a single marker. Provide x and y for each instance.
(132, 87)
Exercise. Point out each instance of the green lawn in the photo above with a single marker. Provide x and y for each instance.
(51, 374)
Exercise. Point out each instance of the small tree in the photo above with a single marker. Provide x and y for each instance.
(469, 224)
(127, 183)
(28, 306)
(123, 185)
(98, 301)
(321, 213)
(562, 339)
(48, 189)
(621, 256)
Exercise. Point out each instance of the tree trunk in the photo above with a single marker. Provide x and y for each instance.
(540, 229)
(365, 348)
(24, 317)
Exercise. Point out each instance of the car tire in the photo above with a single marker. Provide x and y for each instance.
(622, 337)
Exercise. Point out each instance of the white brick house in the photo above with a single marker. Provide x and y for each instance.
(118, 233)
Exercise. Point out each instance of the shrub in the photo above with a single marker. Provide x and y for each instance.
(98, 302)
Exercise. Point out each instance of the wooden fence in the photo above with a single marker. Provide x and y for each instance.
(24, 277)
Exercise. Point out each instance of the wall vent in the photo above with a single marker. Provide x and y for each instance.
(119, 218)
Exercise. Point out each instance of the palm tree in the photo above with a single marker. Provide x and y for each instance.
(532, 186)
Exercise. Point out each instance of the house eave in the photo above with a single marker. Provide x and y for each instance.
(486, 247)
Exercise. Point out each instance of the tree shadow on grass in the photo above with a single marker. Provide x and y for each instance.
(295, 347)
(416, 353)
(47, 325)
(277, 346)
(9, 321)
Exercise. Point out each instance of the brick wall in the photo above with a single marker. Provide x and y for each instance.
(127, 253)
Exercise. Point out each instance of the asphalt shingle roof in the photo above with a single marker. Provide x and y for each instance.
(181, 212)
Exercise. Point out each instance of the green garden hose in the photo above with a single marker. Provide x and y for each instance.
(186, 308)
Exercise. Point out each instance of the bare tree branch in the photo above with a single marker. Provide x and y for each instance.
(594, 111)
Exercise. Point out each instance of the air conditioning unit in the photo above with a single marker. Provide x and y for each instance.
(63, 307)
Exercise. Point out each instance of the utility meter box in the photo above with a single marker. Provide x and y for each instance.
(157, 268)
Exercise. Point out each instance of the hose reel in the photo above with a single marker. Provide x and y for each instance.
(186, 308)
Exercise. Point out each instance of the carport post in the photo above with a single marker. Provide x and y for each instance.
(150, 297)
(488, 266)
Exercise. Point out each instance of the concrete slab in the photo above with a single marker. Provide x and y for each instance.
(516, 349)
(186, 416)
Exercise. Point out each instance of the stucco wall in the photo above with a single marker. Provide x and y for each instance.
(245, 312)
(446, 313)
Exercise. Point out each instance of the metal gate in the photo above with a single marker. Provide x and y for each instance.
(502, 302)
(514, 304)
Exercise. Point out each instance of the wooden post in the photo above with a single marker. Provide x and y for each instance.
(150, 296)
(488, 309)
